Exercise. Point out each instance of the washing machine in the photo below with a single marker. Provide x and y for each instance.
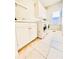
(42, 29)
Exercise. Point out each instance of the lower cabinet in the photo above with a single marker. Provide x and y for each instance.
(25, 33)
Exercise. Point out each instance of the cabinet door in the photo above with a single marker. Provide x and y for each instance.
(33, 30)
(22, 34)
(24, 9)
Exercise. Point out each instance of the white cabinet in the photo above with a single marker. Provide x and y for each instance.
(24, 9)
(40, 11)
(42, 29)
(25, 33)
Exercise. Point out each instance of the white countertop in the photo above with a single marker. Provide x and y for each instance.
(29, 20)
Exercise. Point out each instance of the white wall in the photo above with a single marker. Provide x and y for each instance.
(52, 9)
(42, 11)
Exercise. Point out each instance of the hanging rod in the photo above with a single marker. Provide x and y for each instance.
(20, 5)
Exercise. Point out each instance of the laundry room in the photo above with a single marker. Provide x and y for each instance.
(38, 29)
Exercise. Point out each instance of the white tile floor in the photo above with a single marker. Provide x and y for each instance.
(48, 48)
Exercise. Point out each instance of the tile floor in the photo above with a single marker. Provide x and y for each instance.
(50, 47)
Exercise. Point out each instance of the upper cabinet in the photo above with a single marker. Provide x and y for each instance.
(28, 9)
(24, 9)
(40, 11)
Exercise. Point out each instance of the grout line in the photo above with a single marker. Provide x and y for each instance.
(57, 49)
(48, 53)
(39, 53)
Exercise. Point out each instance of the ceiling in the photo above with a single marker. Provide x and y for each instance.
(49, 2)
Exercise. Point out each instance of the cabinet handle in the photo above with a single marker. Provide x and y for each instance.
(29, 28)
